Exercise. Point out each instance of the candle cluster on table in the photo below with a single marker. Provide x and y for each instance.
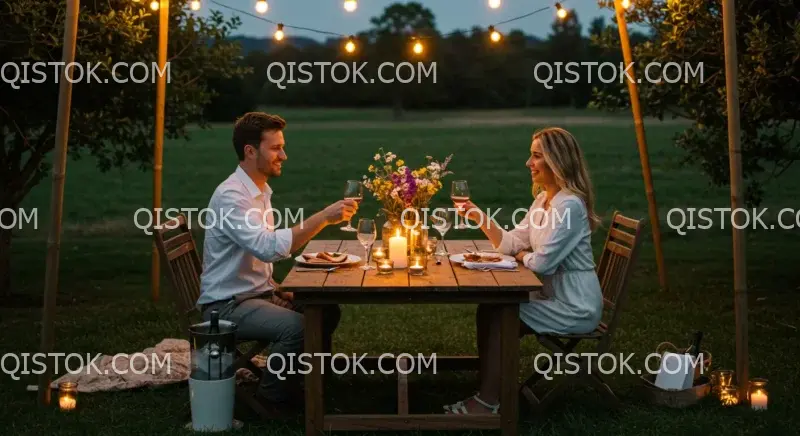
(67, 395)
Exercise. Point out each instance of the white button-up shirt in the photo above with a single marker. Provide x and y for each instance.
(240, 240)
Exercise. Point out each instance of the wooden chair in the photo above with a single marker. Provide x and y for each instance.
(614, 270)
(179, 255)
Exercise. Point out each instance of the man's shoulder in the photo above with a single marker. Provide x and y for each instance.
(230, 187)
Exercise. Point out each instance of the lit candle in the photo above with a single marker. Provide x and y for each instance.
(385, 266)
(418, 267)
(378, 254)
(728, 396)
(758, 400)
(66, 402)
(398, 246)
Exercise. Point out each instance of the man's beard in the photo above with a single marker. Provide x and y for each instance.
(265, 167)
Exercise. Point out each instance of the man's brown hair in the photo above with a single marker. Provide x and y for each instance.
(250, 126)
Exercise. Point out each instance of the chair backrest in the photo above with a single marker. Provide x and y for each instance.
(614, 269)
(179, 254)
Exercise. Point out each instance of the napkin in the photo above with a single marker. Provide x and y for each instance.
(503, 264)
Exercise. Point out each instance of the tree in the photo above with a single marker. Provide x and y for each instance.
(112, 116)
(392, 33)
(689, 33)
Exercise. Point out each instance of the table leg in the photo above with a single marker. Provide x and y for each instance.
(509, 361)
(315, 403)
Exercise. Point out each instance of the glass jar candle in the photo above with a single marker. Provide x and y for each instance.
(385, 266)
(417, 265)
(67, 395)
(757, 393)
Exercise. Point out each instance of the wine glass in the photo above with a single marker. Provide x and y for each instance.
(459, 193)
(442, 221)
(353, 190)
(367, 232)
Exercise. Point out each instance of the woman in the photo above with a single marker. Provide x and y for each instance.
(554, 241)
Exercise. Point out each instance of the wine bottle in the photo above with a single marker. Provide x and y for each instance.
(214, 328)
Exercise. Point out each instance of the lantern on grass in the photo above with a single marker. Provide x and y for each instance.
(757, 394)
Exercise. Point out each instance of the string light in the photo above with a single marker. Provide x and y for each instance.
(351, 45)
(154, 5)
(626, 4)
(560, 11)
(494, 4)
(418, 47)
(262, 6)
(195, 5)
(350, 5)
(494, 35)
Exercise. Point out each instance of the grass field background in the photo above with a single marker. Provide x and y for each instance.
(105, 305)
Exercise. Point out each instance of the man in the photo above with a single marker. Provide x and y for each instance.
(241, 244)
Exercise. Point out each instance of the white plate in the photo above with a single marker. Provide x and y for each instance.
(351, 260)
(459, 258)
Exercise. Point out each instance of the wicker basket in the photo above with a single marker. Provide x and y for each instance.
(676, 398)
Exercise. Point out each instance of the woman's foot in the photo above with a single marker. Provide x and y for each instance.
(472, 406)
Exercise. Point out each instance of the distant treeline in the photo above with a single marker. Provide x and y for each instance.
(472, 72)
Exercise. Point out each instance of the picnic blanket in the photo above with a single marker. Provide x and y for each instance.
(166, 363)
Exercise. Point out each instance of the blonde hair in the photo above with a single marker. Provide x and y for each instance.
(565, 158)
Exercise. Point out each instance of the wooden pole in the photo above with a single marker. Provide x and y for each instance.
(633, 90)
(57, 196)
(161, 87)
(735, 158)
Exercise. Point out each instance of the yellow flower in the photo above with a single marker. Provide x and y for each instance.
(400, 162)
(371, 168)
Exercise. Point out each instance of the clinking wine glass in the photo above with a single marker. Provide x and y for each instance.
(442, 220)
(367, 232)
(459, 193)
(353, 190)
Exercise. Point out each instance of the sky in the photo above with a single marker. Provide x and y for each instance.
(451, 15)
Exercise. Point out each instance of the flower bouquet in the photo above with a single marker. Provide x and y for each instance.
(399, 188)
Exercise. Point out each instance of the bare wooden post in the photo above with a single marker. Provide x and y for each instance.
(633, 90)
(57, 195)
(735, 158)
(158, 149)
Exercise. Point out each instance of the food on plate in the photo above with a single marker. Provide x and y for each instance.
(325, 257)
(482, 257)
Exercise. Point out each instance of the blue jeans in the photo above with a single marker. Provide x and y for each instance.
(278, 321)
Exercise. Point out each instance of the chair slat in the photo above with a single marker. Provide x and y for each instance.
(176, 241)
(625, 221)
(621, 236)
(619, 249)
(180, 251)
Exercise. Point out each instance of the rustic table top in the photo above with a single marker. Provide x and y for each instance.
(447, 282)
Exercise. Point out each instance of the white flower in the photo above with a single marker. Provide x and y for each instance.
(402, 169)
(377, 157)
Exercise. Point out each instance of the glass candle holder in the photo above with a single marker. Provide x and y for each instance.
(67, 395)
(721, 378)
(757, 393)
(378, 254)
(728, 396)
(417, 265)
(385, 267)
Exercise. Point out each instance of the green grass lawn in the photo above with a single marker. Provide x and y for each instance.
(105, 305)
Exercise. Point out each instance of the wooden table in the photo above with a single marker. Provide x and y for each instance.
(445, 283)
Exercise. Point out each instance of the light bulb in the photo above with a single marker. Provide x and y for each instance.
(261, 6)
(279, 33)
(495, 36)
(350, 46)
(418, 47)
(195, 5)
(561, 12)
(494, 4)
(626, 4)
(154, 5)
(350, 5)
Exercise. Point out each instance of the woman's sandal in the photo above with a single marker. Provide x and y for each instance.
(460, 409)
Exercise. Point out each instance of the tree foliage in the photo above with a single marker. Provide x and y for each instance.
(690, 32)
(110, 121)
